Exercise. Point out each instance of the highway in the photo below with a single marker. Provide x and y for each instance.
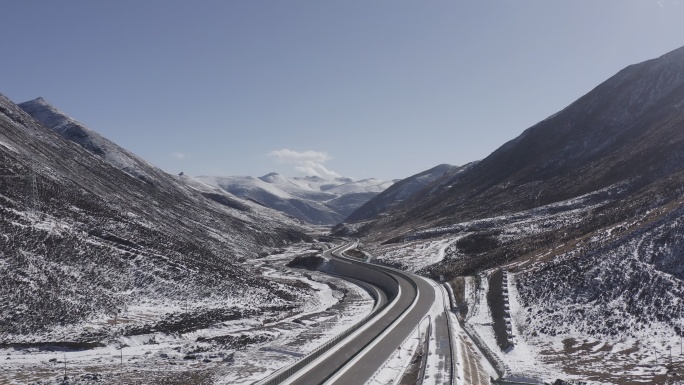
(355, 359)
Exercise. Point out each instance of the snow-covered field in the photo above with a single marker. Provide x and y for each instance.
(240, 351)
(412, 256)
(521, 361)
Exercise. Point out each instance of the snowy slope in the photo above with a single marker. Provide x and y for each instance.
(627, 129)
(584, 210)
(87, 138)
(83, 239)
(311, 199)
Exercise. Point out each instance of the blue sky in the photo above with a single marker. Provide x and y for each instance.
(355, 88)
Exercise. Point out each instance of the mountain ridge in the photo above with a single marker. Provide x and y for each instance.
(604, 137)
(101, 240)
(74, 131)
(398, 192)
(583, 213)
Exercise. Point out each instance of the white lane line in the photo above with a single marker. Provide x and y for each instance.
(342, 343)
(376, 341)
(366, 286)
(283, 369)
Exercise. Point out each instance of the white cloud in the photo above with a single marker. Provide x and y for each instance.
(179, 155)
(306, 162)
(317, 169)
(290, 156)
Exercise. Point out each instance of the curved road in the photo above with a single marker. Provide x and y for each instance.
(358, 357)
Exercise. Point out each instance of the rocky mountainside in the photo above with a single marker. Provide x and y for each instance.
(311, 199)
(625, 131)
(584, 209)
(72, 130)
(90, 230)
(398, 192)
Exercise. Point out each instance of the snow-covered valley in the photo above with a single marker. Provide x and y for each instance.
(559, 257)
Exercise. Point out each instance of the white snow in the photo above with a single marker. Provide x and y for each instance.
(8, 146)
(415, 255)
(312, 199)
(321, 318)
(287, 188)
(524, 360)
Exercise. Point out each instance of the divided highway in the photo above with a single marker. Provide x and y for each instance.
(355, 359)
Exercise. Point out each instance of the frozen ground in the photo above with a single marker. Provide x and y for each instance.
(604, 360)
(592, 298)
(578, 357)
(240, 351)
(521, 361)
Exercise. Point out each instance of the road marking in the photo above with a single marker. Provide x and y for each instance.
(344, 342)
(355, 334)
(377, 340)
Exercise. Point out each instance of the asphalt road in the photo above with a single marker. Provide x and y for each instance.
(361, 356)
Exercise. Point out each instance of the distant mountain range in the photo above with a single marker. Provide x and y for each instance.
(311, 199)
(399, 192)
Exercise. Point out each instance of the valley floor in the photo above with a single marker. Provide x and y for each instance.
(249, 348)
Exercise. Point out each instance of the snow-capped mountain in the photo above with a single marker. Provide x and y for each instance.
(85, 237)
(311, 199)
